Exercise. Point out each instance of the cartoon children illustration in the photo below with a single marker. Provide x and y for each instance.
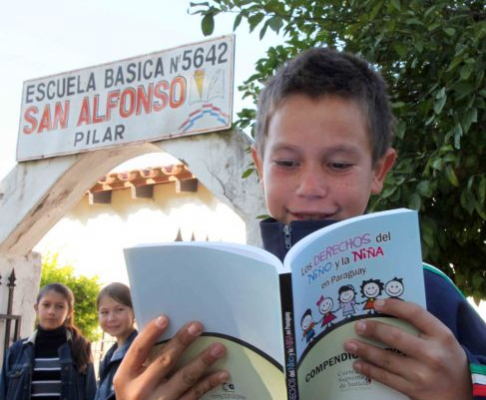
(370, 290)
(347, 300)
(307, 324)
(394, 288)
(325, 305)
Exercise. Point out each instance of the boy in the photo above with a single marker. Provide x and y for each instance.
(323, 146)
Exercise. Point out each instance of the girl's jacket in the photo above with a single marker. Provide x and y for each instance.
(15, 381)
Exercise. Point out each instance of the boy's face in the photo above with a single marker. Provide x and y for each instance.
(317, 161)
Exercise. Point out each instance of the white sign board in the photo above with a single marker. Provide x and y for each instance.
(182, 91)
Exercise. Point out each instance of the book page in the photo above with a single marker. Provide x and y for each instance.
(234, 291)
(337, 274)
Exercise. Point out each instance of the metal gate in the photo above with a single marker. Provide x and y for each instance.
(9, 317)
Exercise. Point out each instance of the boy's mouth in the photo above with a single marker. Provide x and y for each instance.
(310, 217)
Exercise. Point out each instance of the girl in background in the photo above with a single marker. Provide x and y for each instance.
(116, 317)
(56, 361)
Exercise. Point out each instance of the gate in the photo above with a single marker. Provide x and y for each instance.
(9, 317)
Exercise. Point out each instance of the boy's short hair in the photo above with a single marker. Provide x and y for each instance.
(321, 72)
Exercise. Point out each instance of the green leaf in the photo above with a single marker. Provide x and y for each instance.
(428, 237)
(463, 89)
(451, 176)
(207, 24)
(419, 43)
(237, 22)
(429, 10)
(430, 120)
(376, 9)
(400, 48)
(457, 134)
(450, 31)
(482, 190)
(450, 158)
(439, 104)
(413, 21)
(468, 201)
(478, 296)
(414, 202)
(466, 71)
(247, 172)
(433, 27)
(388, 191)
(254, 20)
(275, 23)
(400, 131)
(441, 93)
(478, 280)
(424, 188)
(480, 210)
(470, 116)
(454, 63)
(396, 4)
(263, 30)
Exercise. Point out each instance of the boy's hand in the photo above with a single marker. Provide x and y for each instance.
(135, 380)
(435, 365)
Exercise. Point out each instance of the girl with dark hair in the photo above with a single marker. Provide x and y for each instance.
(56, 361)
(116, 317)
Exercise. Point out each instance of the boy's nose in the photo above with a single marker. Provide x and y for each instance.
(311, 184)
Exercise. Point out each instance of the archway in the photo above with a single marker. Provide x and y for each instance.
(36, 194)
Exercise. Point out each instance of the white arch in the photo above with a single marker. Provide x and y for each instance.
(35, 195)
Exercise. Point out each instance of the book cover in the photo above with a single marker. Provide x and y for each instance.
(337, 275)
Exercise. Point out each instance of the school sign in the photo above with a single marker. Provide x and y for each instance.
(182, 91)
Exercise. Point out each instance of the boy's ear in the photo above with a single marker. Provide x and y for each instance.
(258, 161)
(381, 168)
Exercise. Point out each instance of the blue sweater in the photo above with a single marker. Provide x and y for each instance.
(444, 300)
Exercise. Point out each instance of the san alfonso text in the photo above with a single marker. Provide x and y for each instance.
(120, 103)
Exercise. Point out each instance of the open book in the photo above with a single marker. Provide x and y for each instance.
(284, 325)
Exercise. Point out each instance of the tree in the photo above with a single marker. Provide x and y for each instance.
(84, 289)
(433, 56)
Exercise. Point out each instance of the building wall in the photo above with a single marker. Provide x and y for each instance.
(92, 237)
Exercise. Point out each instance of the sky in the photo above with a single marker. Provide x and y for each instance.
(40, 38)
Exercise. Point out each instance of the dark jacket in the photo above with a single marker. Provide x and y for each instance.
(444, 300)
(15, 383)
(108, 367)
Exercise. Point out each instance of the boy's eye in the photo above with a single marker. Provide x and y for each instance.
(286, 163)
(339, 166)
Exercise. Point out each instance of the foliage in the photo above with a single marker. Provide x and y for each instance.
(85, 291)
(433, 56)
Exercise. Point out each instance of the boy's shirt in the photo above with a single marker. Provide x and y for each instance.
(444, 299)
